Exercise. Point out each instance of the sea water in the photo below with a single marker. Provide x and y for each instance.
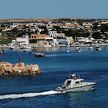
(39, 91)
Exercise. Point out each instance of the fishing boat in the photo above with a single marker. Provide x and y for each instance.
(74, 84)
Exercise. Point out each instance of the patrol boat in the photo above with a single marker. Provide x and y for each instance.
(74, 84)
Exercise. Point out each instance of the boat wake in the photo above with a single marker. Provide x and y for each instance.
(25, 95)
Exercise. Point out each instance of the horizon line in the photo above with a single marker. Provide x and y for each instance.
(51, 18)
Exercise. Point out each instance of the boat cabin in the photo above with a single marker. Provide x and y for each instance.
(72, 82)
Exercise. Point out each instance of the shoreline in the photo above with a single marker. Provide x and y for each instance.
(5, 47)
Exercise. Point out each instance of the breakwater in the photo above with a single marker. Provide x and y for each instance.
(7, 69)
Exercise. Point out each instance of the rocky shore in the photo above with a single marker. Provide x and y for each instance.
(18, 69)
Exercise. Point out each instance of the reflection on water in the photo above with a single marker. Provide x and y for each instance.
(78, 95)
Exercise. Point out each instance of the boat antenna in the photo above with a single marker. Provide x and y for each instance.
(69, 74)
(79, 76)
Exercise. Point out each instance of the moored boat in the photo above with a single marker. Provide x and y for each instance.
(73, 84)
(78, 49)
(1, 52)
(98, 48)
(39, 55)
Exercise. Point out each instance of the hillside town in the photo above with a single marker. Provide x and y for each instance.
(33, 33)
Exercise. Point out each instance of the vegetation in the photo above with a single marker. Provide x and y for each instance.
(4, 40)
(97, 30)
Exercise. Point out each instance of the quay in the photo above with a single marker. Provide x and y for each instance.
(36, 47)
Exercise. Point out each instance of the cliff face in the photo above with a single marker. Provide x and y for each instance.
(18, 69)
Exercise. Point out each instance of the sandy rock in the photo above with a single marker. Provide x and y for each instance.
(18, 69)
(33, 69)
(2, 70)
(6, 68)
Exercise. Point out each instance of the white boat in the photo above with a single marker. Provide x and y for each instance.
(78, 49)
(39, 55)
(90, 48)
(98, 49)
(74, 84)
(1, 51)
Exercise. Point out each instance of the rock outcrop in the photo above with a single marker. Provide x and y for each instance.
(18, 69)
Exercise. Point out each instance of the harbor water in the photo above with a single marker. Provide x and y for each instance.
(39, 91)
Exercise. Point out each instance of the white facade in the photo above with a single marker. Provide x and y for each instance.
(62, 35)
(84, 40)
(69, 40)
(22, 40)
(53, 33)
(87, 24)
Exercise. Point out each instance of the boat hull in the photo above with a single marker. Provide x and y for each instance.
(39, 55)
(78, 89)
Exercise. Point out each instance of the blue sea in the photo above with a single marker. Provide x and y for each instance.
(39, 91)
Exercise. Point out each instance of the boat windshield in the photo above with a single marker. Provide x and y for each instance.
(77, 82)
(68, 83)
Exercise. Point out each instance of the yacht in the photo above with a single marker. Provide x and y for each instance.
(74, 84)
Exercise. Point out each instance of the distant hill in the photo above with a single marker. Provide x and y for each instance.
(23, 20)
(45, 19)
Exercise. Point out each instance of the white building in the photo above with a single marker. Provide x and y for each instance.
(70, 40)
(53, 33)
(21, 43)
(22, 40)
(85, 39)
(87, 24)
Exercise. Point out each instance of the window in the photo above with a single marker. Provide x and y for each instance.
(77, 82)
(32, 36)
(68, 83)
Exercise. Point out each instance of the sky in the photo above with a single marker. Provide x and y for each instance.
(53, 9)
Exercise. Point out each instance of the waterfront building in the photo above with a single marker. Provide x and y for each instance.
(22, 40)
(83, 40)
(61, 38)
(40, 39)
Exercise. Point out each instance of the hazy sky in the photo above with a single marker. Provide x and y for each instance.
(53, 8)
